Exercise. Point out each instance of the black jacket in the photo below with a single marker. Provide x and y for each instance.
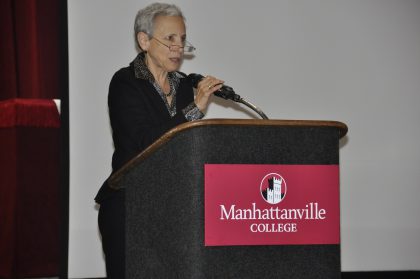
(139, 116)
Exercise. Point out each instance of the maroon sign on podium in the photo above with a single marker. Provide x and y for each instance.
(271, 204)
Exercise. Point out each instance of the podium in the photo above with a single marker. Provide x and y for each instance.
(165, 203)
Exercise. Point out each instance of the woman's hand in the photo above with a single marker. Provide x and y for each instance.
(205, 88)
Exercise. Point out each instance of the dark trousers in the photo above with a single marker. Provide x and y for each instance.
(111, 221)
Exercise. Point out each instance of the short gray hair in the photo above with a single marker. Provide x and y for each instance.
(145, 18)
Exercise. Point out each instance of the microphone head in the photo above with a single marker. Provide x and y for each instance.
(195, 79)
(226, 92)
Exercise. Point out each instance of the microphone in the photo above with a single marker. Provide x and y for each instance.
(226, 92)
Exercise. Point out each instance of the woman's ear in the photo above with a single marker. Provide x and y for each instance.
(143, 41)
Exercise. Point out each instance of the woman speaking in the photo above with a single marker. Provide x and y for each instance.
(145, 100)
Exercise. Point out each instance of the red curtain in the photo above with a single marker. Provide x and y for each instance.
(29, 49)
(29, 188)
(37, 217)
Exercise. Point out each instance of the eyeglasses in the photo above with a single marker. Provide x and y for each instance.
(186, 48)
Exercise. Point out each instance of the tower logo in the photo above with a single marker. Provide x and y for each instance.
(273, 188)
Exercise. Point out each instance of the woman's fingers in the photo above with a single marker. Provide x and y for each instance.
(209, 83)
(206, 87)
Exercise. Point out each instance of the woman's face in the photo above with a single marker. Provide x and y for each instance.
(168, 30)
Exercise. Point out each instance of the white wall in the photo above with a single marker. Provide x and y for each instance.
(353, 61)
